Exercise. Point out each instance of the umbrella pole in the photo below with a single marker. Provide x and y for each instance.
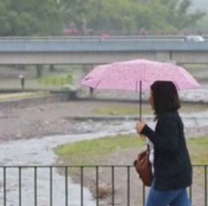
(140, 100)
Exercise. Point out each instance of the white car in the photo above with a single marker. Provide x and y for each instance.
(194, 38)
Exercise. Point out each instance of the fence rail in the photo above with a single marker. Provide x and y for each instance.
(84, 186)
(97, 37)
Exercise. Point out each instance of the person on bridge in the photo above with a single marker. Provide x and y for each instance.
(169, 157)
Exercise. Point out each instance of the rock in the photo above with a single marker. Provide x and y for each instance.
(104, 190)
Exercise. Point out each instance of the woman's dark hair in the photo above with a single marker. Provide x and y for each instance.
(165, 97)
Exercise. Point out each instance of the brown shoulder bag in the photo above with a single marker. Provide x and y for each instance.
(143, 167)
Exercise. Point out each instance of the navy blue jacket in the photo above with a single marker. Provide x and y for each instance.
(172, 165)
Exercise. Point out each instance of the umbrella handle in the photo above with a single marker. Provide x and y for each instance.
(140, 100)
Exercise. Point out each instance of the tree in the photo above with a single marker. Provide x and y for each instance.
(132, 14)
(127, 15)
(34, 17)
(47, 17)
(179, 15)
(74, 11)
(151, 15)
(110, 15)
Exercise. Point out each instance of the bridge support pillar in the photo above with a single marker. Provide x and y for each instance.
(165, 57)
(51, 68)
(39, 69)
(162, 56)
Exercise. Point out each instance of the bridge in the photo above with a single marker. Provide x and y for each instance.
(126, 37)
(95, 50)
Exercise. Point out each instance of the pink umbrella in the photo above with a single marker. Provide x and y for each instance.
(137, 75)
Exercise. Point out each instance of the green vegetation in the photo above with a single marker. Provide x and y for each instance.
(185, 107)
(198, 150)
(23, 19)
(22, 95)
(100, 151)
(89, 151)
(131, 15)
(56, 80)
(194, 66)
(133, 110)
(118, 110)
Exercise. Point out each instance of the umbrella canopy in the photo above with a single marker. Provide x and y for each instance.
(137, 75)
(129, 74)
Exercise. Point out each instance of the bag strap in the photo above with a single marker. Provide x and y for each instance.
(148, 147)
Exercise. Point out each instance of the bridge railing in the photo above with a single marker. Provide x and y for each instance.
(140, 37)
(66, 185)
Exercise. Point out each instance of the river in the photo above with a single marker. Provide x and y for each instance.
(40, 152)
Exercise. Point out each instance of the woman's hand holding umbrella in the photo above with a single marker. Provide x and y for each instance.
(139, 127)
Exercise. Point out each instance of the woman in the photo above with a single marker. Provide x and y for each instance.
(171, 163)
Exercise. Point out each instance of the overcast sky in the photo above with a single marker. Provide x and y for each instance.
(201, 4)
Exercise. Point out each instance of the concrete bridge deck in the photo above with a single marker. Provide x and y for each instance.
(98, 51)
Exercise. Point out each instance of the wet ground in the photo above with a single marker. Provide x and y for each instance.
(30, 127)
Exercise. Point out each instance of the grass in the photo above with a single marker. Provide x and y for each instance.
(87, 151)
(94, 152)
(119, 110)
(22, 95)
(127, 110)
(195, 66)
(185, 107)
(198, 150)
(56, 80)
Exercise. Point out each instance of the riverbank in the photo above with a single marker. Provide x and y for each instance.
(37, 121)
(54, 118)
(120, 151)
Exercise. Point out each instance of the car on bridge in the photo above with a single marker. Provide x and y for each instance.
(194, 38)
